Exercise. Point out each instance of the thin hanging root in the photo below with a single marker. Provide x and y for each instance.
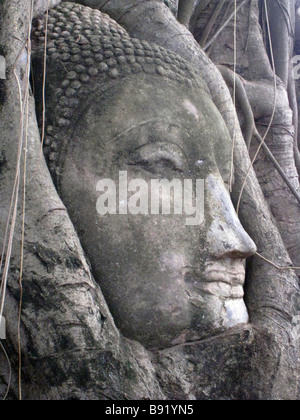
(44, 77)
(251, 130)
(287, 17)
(243, 100)
(12, 216)
(234, 95)
(273, 112)
(270, 155)
(225, 17)
(275, 265)
(26, 112)
(197, 13)
(248, 28)
(207, 30)
(212, 40)
(43, 92)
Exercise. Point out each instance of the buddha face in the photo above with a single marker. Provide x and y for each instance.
(165, 283)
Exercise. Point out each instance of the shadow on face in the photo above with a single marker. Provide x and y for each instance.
(165, 282)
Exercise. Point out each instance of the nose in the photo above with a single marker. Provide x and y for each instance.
(226, 236)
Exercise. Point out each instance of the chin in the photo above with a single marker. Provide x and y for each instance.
(236, 313)
(216, 316)
(213, 315)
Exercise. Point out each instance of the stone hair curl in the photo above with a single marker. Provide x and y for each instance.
(86, 49)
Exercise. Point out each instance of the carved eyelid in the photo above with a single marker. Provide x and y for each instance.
(156, 152)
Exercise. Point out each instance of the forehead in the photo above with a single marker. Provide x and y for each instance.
(143, 109)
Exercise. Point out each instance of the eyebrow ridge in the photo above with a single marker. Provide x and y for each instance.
(140, 124)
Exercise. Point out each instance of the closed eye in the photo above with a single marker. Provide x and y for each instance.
(153, 165)
(158, 157)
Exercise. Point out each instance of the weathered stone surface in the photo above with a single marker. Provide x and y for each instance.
(90, 32)
(80, 353)
(175, 299)
(184, 279)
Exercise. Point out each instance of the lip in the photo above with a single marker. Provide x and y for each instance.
(234, 275)
(224, 279)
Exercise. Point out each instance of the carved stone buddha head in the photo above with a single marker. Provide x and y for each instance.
(117, 104)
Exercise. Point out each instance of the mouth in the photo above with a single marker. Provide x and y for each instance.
(224, 279)
(232, 273)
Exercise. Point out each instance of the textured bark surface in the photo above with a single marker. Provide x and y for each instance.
(71, 348)
(254, 66)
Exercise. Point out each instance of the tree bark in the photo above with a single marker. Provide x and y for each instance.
(71, 348)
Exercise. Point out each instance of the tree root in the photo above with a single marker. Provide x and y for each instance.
(294, 106)
(212, 40)
(207, 30)
(185, 11)
(225, 17)
(251, 130)
(197, 13)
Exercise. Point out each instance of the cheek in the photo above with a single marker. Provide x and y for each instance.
(157, 242)
(146, 248)
(161, 238)
(173, 262)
